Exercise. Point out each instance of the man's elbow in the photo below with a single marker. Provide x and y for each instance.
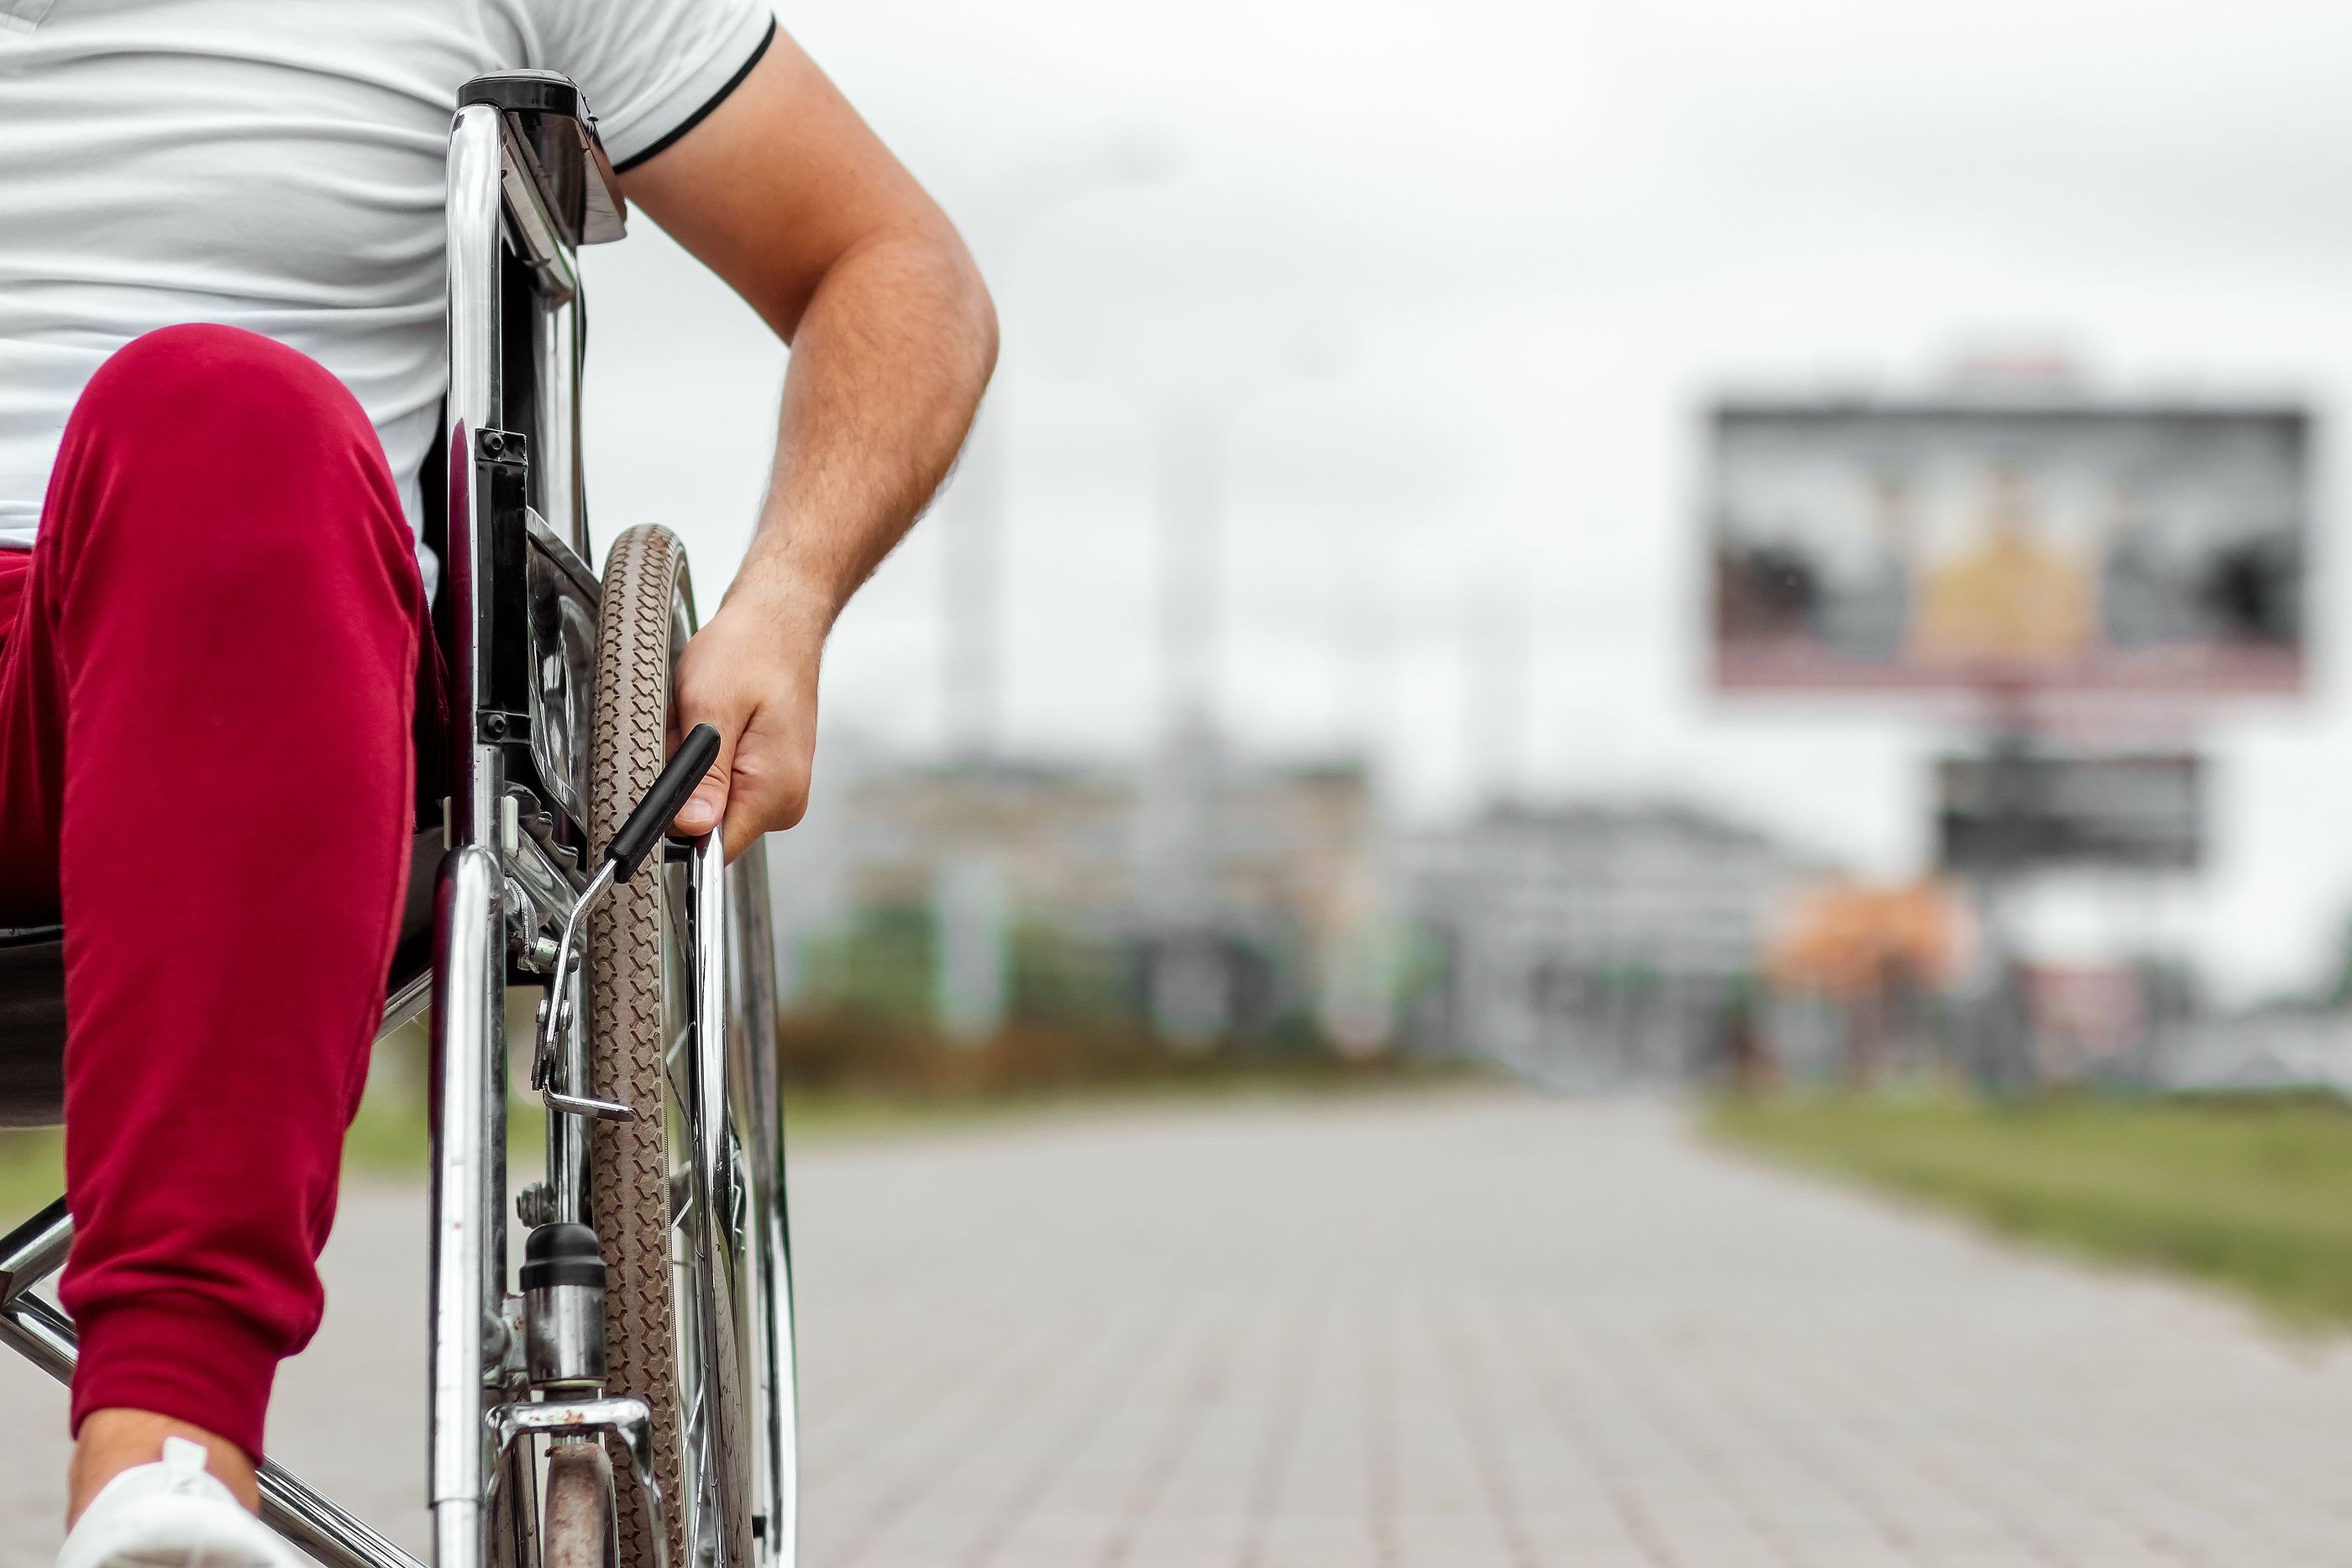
(976, 310)
(984, 325)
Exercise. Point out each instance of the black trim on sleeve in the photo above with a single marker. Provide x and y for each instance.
(715, 100)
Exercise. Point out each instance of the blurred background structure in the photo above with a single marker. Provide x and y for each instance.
(1763, 545)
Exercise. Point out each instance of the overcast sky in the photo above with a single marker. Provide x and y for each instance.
(1460, 279)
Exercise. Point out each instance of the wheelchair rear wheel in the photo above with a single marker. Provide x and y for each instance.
(676, 1315)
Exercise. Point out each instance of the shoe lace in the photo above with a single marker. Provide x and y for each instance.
(183, 1463)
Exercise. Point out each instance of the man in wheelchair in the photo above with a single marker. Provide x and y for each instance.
(221, 371)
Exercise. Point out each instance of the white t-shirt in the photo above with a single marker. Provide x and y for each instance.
(278, 165)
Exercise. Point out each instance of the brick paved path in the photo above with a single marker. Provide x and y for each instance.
(1451, 1333)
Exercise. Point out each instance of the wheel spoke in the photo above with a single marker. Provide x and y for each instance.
(738, 1209)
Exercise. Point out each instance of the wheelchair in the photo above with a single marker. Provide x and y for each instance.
(626, 1398)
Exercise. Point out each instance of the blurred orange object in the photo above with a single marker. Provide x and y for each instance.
(1848, 939)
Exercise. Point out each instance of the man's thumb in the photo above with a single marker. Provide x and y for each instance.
(707, 804)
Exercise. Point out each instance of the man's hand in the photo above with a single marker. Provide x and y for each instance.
(783, 192)
(750, 674)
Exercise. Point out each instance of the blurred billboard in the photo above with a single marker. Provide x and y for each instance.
(2004, 811)
(1966, 544)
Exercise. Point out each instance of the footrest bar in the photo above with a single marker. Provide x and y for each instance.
(45, 1336)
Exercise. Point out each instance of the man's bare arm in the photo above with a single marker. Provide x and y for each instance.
(785, 193)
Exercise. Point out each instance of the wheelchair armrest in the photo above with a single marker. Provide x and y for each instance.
(550, 118)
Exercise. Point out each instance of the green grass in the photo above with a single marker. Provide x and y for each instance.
(388, 1140)
(819, 1115)
(2255, 1193)
(31, 1171)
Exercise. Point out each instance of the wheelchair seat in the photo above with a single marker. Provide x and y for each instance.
(33, 995)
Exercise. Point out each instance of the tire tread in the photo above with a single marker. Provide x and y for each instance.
(629, 1161)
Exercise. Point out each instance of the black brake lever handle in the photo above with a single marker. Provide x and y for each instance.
(647, 824)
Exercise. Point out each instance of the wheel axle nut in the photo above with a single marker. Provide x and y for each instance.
(535, 1206)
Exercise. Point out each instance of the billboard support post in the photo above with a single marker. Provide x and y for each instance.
(2004, 1048)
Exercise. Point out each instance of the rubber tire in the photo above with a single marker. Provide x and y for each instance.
(629, 1162)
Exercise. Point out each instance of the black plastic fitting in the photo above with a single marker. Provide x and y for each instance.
(645, 825)
(561, 1254)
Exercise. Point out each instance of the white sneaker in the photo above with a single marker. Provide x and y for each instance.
(172, 1514)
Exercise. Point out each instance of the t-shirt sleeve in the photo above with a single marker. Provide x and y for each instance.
(651, 68)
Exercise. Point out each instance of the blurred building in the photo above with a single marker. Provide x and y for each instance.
(1595, 945)
(1019, 877)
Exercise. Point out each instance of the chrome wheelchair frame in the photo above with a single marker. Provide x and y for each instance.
(507, 877)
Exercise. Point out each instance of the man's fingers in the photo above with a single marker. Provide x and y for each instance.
(752, 811)
(741, 833)
(767, 789)
(762, 703)
(707, 804)
(704, 807)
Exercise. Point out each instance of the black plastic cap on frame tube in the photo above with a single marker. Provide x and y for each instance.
(562, 1255)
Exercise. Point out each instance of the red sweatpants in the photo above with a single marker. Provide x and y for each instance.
(207, 683)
